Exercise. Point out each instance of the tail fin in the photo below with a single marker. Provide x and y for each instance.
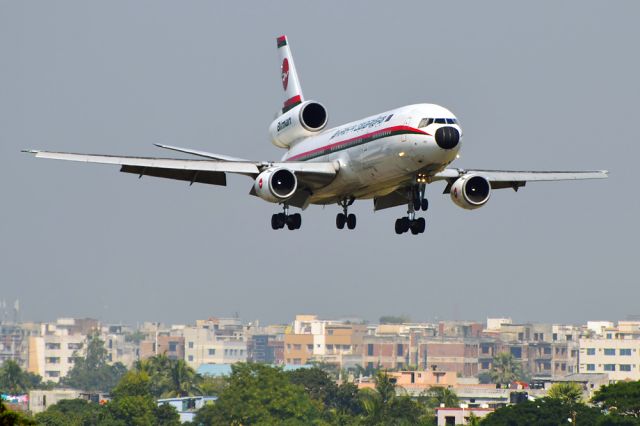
(290, 82)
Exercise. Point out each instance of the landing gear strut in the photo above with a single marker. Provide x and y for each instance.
(279, 220)
(346, 218)
(410, 222)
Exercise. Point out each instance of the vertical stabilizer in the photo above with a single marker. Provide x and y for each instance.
(290, 82)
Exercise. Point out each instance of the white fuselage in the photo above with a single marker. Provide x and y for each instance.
(379, 154)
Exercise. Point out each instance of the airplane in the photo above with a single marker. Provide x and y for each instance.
(389, 157)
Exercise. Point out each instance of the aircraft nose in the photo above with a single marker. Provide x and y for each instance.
(447, 137)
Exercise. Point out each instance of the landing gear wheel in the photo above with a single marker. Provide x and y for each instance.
(351, 221)
(421, 224)
(424, 204)
(294, 221)
(341, 219)
(416, 203)
(399, 226)
(274, 222)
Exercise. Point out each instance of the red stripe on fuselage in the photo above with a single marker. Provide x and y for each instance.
(366, 135)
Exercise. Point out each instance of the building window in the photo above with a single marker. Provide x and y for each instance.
(609, 335)
(591, 367)
(516, 352)
(555, 336)
(190, 345)
(53, 360)
(173, 346)
(625, 352)
(569, 337)
(625, 367)
(591, 351)
(547, 350)
(212, 352)
(486, 365)
(190, 358)
(609, 351)
(74, 346)
(297, 347)
(52, 373)
(400, 349)
(53, 345)
(370, 349)
(609, 367)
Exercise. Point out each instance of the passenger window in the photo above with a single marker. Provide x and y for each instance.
(425, 122)
(440, 121)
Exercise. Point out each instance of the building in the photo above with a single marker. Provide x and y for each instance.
(119, 347)
(617, 357)
(214, 342)
(53, 353)
(187, 406)
(459, 416)
(163, 344)
(334, 342)
(40, 400)
(14, 342)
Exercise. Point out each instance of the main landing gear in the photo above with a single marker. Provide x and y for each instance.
(417, 201)
(346, 218)
(279, 220)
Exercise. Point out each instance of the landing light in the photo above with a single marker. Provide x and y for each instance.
(457, 155)
(401, 154)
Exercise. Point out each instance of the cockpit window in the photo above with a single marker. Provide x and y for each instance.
(440, 121)
(451, 121)
(425, 122)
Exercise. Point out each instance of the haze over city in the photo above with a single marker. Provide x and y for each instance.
(546, 86)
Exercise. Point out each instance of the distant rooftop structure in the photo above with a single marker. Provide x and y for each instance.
(217, 370)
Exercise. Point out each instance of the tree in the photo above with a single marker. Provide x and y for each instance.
(436, 396)
(11, 418)
(72, 412)
(544, 412)
(394, 319)
(505, 369)
(622, 398)
(12, 378)
(212, 386)
(383, 406)
(92, 372)
(261, 394)
(316, 383)
(566, 392)
(169, 378)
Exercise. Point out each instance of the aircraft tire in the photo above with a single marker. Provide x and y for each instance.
(424, 204)
(274, 222)
(421, 224)
(351, 221)
(341, 219)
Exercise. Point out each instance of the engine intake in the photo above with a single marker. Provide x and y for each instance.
(470, 191)
(276, 184)
(304, 120)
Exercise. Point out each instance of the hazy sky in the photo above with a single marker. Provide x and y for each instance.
(540, 85)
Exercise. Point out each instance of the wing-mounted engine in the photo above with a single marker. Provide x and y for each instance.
(275, 184)
(302, 121)
(470, 191)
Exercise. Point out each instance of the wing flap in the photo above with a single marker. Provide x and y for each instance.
(211, 178)
(506, 176)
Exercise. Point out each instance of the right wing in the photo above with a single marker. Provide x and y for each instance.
(311, 175)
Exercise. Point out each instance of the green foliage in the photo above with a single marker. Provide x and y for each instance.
(72, 412)
(383, 406)
(11, 418)
(134, 383)
(622, 398)
(394, 319)
(544, 412)
(212, 386)
(505, 369)
(91, 372)
(437, 395)
(260, 394)
(133, 410)
(170, 378)
(566, 392)
(485, 378)
(166, 415)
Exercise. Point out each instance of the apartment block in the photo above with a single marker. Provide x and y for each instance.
(332, 342)
(53, 354)
(618, 357)
(207, 343)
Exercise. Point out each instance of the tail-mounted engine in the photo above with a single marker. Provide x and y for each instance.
(304, 120)
(470, 191)
(276, 184)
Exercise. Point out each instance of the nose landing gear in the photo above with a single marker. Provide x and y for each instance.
(346, 218)
(280, 220)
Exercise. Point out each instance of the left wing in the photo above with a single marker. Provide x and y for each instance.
(515, 179)
(311, 175)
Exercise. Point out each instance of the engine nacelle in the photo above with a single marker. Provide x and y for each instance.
(304, 120)
(276, 184)
(471, 191)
